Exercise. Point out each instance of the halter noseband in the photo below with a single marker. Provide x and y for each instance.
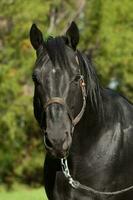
(61, 101)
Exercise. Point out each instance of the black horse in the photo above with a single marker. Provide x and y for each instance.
(83, 123)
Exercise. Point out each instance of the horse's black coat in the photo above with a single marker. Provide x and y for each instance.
(100, 151)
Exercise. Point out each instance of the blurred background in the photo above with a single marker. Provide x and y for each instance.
(106, 36)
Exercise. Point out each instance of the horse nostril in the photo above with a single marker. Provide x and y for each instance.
(47, 141)
(65, 144)
(67, 134)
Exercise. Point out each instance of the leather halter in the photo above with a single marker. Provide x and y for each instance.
(61, 101)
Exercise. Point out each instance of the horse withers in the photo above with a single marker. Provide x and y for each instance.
(88, 129)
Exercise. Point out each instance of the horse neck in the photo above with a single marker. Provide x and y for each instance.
(90, 120)
(92, 116)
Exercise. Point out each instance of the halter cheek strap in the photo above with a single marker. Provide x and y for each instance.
(83, 89)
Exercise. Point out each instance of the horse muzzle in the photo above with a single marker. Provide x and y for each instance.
(58, 147)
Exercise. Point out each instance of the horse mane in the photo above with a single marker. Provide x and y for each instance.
(94, 89)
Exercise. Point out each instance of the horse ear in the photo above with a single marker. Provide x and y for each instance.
(73, 35)
(36, 37)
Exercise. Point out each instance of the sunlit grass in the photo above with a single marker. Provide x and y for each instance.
(22, 193)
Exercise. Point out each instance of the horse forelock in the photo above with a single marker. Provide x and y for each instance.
(56, 50)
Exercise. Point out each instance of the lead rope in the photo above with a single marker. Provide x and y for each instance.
(66, 172)
(77, 185)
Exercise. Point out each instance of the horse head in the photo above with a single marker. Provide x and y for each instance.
(59, 88)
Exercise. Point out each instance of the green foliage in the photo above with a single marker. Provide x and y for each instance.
(106, 30)
(19, 135)
(20, 192)
(117, 43)
(109, 33)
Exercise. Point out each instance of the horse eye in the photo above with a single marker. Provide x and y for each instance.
(35, 78)
(77, 78)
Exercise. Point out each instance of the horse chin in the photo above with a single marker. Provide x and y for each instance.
(57, 155)
(55, 151)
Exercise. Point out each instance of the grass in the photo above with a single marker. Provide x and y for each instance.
(22, 193)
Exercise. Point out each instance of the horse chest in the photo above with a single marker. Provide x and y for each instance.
(63, 191)
(99, 179)
(101, 168)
